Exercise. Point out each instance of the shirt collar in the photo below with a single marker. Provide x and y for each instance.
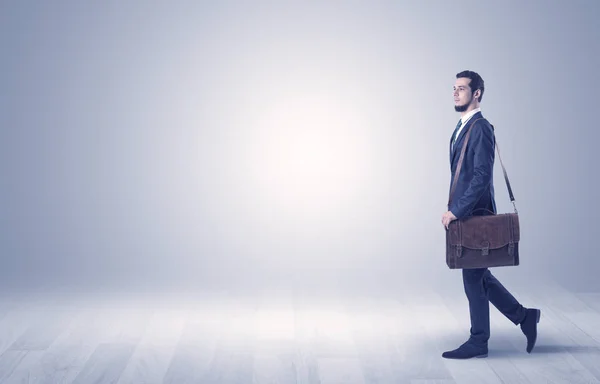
(466, 117)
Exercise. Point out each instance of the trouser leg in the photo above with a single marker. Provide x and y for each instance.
(479, 309)
(502, 299)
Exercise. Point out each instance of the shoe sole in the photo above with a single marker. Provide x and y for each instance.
(466, 358)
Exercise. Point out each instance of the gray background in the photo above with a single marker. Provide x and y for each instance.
(166, 143)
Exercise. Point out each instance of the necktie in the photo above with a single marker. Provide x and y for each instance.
(456, 131)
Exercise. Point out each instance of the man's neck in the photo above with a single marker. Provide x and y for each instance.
(469, 110)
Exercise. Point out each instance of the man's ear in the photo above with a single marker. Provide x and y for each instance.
(477, 93)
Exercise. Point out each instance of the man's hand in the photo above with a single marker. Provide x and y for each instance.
(447, 218)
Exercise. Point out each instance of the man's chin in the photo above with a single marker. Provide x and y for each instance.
(460, 108)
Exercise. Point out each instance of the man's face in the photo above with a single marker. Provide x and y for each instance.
(462, 94)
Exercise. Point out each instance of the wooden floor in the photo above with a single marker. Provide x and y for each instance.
(288, 335)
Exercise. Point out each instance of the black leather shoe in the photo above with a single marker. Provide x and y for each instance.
(466, 351)
(529, 327)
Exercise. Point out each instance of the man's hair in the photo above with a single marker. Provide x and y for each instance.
(476, 81)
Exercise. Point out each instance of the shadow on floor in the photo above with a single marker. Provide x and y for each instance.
(543, 350)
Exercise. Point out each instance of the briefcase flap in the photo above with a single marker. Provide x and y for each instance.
(479, 232)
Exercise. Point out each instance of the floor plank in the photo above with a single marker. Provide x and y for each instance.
(44, 329)
(150, 361)
(232, 360)
(291, 334)
(199, 337)
(562, 332)
(591, 299)
(275, 346)
(9, 361)
(106, 364)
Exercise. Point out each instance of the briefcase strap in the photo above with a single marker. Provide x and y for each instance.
(459, 165)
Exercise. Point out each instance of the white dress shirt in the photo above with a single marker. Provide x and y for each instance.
(464, 121)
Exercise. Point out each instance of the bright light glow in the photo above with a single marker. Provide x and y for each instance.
(311, 155)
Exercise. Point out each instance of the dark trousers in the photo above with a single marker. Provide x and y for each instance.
(482, 288)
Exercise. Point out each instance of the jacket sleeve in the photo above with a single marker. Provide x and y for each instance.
(481, 142)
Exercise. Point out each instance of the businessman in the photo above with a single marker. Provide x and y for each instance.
(474, 195)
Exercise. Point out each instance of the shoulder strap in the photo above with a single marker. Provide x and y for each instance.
(459, 165)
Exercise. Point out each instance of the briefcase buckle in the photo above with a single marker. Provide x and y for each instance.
(486, 248)
(458, 251)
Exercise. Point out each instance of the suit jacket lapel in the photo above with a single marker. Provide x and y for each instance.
(461, 136)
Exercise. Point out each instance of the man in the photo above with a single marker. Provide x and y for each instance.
(474, 195)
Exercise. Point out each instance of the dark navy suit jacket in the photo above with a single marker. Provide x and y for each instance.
(474, 193)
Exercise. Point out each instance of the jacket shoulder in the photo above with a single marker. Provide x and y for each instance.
(483, 125)
(482, 121)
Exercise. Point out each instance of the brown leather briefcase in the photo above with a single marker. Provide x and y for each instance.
(483, 241)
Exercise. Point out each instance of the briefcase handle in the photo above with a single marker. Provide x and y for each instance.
(459, 165)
